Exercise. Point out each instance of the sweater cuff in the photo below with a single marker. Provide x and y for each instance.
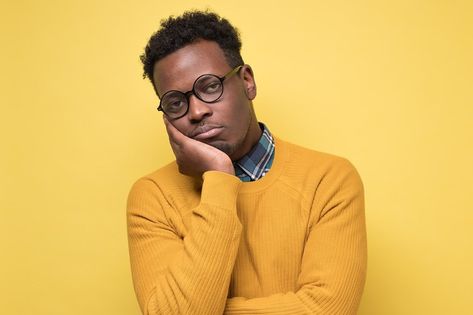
(220, 189)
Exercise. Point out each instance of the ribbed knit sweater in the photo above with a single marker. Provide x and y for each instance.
(293, 242)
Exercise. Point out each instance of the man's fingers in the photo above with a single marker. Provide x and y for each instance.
(175, 136)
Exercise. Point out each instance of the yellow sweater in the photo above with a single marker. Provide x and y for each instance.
(293, 242)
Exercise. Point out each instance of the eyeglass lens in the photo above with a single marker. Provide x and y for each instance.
(208, 88)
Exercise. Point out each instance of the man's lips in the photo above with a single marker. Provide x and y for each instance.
(206, 132)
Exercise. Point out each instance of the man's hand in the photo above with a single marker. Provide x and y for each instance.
(194, 157)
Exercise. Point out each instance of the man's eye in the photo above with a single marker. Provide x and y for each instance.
(174, 105)
(213, 87)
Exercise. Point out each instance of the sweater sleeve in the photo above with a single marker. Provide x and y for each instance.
(333, 267)
(190, 275)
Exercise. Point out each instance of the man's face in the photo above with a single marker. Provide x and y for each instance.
(228, 124)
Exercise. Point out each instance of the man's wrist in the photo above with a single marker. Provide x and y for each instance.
(225, 166)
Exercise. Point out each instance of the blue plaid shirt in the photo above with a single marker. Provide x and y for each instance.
(258, 161)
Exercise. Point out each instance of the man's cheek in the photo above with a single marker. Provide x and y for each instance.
(180, 126)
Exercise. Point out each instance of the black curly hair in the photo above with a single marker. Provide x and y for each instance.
(177, 32)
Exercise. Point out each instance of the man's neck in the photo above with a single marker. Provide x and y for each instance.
(253, 135)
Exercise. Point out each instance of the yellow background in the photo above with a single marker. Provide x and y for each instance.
(387, 84)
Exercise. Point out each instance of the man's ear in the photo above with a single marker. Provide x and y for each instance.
(248, 77)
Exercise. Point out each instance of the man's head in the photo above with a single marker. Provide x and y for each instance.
(192, 45)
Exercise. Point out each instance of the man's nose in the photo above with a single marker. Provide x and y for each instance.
(198, 109)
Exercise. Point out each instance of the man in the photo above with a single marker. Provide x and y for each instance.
(242, 222)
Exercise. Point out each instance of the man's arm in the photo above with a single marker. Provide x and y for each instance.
(190, 275)
(333, 266)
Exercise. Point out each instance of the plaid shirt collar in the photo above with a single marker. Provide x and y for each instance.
(258, 161)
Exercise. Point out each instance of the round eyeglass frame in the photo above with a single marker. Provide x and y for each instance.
(192, 92)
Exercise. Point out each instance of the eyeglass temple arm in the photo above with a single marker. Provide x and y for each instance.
(235, 70)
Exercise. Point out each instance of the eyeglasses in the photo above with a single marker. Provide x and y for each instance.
(208, 88)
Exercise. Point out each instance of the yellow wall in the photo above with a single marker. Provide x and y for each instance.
(387, 84)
